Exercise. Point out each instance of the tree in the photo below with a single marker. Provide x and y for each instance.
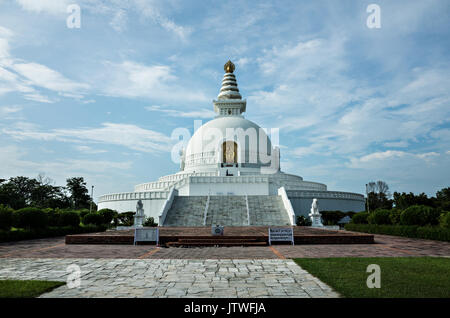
(378, 196)
(443, 199)
(405, 200)
(78, 192)
(16, 193)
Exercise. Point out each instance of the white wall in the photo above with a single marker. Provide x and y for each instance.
(226, 188)
(302, 206)
(152, 207)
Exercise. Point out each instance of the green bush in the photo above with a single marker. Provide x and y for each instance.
(69, 218)
(30, 218)
(395, 216)
(126, 218)
(53, 217)
(380, 217)
(93, 218)
(360, 218)
(302, 221)
(22, 234)
(444, 220)
(83, 212)
(6, 217)
(150, 222)
(107, 215)
(433, 233)
(412, 231)
(419, 215)
(331, 217)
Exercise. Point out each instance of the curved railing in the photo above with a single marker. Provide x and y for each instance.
(325, 195)
(133, 196)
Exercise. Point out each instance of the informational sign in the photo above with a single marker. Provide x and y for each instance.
(285, 234)
(217, 230)
(146, 235)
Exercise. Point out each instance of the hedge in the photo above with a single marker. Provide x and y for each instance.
(444, 220)
(420, 215)
(21, 234)
(30, 218)
(412, 231)
(6, 217)
(69, 218)
(108, 215)
(93, 218)
(379, 216)
(360, 218)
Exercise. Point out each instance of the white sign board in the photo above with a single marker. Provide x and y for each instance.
(281, 235)
(146, 235)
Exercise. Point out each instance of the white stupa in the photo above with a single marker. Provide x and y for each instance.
(230, 175)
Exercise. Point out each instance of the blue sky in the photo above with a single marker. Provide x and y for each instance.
(353, 104)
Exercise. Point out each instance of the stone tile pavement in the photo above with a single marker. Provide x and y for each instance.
(385, 246)
(171, 277)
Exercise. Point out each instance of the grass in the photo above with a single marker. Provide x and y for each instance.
(26, 288)
(401, 277)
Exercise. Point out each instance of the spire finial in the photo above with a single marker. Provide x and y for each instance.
(229, 67)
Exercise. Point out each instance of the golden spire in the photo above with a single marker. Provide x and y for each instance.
(229, 67)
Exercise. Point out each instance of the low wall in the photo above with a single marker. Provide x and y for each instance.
(152, 207)
(328, 201)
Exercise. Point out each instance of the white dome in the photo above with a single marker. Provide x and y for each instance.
(204, 150)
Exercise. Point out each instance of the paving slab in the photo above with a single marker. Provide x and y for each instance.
(99, 278)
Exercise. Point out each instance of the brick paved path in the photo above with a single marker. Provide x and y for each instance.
(385, 246)
(171, 278)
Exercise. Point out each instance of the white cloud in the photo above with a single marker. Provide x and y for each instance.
(42, 76)
(6, 110)
(202, 113)
(117, 9)
(17, 75)
(151, 10)
(131, 79)
(397, 144)
(126, 135)
(89, 150)
(389, 154)
(50, 6)
(102, 173)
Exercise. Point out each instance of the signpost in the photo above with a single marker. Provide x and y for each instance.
(281, 235)
(146, 235)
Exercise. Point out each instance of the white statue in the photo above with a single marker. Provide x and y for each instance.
(139, 216)
(315, 216)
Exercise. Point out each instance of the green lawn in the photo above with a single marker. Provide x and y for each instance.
(403, 277)
(25, 288)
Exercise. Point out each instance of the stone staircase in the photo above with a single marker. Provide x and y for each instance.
(230, 210)
(267, 210)
(186, 211)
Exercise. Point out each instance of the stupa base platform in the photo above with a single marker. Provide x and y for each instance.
(233, 236)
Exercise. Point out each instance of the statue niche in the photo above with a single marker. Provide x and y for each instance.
(229, 152)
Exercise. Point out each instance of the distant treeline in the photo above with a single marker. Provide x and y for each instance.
(20, 192)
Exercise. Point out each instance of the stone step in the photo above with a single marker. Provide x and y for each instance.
(227, 210)
(211, 242)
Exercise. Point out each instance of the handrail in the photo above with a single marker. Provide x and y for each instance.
(287, 205)
(248, 210)
(166, 206)
(205, 213)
